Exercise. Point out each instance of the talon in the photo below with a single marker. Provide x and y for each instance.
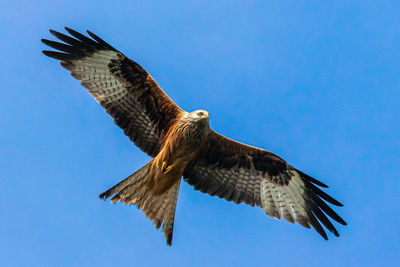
(164, 167)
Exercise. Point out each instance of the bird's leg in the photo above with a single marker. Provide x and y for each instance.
(165, 168)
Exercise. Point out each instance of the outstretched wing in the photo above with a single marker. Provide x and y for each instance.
(242, 173)
(124, 89)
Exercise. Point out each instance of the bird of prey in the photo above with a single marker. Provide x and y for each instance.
(182, 144)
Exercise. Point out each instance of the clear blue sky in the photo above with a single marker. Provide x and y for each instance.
(317, 83)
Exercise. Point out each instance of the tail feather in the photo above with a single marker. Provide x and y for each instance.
(132, 179)
(158, 208)
(169, 218)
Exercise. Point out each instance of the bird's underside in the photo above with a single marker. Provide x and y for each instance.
(183, 144)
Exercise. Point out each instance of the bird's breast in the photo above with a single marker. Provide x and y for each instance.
(181, 145)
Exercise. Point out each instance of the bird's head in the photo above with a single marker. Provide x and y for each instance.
(196, 120)
(199, 115)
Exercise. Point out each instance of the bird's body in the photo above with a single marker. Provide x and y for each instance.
(180, 146)
(183, 144)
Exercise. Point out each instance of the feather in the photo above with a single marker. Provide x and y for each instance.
(129, 95)
(258, 176)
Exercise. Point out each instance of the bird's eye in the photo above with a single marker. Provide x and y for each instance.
(200, 114)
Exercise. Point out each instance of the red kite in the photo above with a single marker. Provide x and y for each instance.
(183, 144)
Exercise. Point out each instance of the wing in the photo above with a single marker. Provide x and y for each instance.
(123, 88)
(242, 173)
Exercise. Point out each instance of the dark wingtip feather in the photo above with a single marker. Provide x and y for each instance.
(72, 32)
(49, 42)
(324, 220)
(328, 210)
(83, 38)
(339, 204)
(62, 47)
(317, 226)
(335, 232)
(58, 55)
(324, 195)
(100, 41)
(52, 54)
(53, 32)
(312, 180)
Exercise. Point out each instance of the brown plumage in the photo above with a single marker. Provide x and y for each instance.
(183, 144)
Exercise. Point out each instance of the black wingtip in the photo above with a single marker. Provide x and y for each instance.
(72, 32)
(53, 32)
(340, 220)
(322, 233)
(324, 195)
(49, 53)
(100, 41)
(91, 34)
(69, 30)
(313, 180)
(321, 184)
(317, 226)
(335, 232)
(58, 55)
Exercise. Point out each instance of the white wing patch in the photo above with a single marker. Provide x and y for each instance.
(285, 201)
(94, 74)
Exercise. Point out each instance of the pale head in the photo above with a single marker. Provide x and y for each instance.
(199, 115)
(196, 124)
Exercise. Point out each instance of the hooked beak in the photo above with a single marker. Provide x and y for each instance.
(205, 116)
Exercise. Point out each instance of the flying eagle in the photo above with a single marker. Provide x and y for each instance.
(183, 144)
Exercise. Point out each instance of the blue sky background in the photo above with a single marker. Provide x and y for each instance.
(315, 82)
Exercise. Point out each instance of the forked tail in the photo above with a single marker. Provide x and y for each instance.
(158, 208)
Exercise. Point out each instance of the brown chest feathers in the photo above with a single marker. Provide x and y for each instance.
(180, 146)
